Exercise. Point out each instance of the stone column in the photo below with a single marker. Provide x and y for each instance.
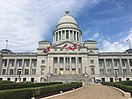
(8, 67)
(120, 67)
(77, 68)
(58, 36)
(64, 65)
(70, 65)
(58, 71)
(112, 66)
(105, 67)
(30, 71)
(15, 67)
(128, 67)
(23, 67)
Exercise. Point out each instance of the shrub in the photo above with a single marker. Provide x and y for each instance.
(26, 93)
(120, 85)
(5, 82)
(25, 85)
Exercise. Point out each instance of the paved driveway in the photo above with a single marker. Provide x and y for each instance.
(91, 92)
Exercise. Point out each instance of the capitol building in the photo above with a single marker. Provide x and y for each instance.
(67, 59)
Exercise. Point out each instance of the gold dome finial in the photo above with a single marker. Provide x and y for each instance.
(67, 11)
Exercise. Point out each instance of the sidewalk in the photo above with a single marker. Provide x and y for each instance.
(91, 92)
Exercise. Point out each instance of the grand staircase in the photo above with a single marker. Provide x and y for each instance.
(70, 78)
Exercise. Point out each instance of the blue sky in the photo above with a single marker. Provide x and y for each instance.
(109, 22)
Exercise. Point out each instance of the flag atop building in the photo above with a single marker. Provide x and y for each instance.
(46, 50)
(63, 46)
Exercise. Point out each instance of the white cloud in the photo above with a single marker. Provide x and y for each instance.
(25, 22)
(119, 46)
(96, 35)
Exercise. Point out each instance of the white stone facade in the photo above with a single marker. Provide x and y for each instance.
(84, 63)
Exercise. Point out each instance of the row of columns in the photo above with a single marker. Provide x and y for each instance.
(67, 66)
(15, 67)
(119, 67)
(73, 35)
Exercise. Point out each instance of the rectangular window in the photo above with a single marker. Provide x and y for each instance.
(4, 62)
(80, 60)
(19, 62)
(11, 71)
(108, 62)
(116, 62)
(61, 60)
(124, 62)
(92, 71)
(130, 62)
(34, 62)
(125, 71)
(33, 71)
(55, 60)
(19, 72)
(4, 72)
(101, 62)
(101, 71)
(26, 62)
(26, 71)
(91, 61)
(43, 61)
(11, 63)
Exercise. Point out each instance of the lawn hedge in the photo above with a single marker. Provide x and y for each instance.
(120, 85)
(27, 93)
(25, 85)
(5, 82)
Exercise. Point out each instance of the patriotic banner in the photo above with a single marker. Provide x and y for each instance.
(75, 46)
(63, 47)
(46, 50)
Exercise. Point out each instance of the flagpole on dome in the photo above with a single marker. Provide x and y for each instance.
(129, 43)
(6, 44)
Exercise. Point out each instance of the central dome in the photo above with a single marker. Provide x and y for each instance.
(67, 30)
(67, 19)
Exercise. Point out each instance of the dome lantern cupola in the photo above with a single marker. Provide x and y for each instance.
(67, 30)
